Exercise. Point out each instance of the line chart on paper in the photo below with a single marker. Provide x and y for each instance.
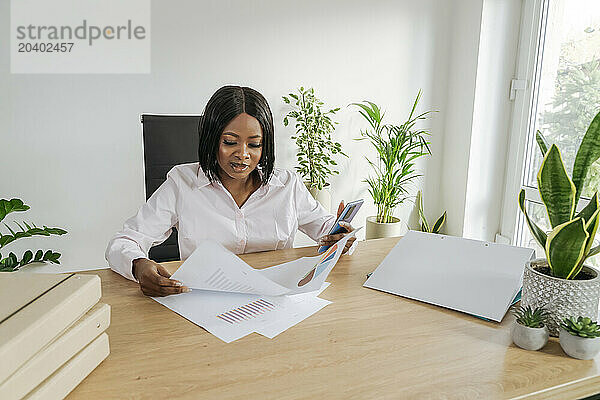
(247, 311)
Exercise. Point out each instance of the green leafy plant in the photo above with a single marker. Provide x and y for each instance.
(531, 317)
(313, 137)
(398, 147)
(582, 326)
(24, 230)
(437, 227)
(569, 243)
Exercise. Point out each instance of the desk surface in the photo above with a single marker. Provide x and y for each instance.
(367, 344)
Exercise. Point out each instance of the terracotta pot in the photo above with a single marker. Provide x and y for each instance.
(376, 230)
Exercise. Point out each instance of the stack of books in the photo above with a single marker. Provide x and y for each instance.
(52, 333)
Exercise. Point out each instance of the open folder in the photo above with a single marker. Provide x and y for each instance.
(471, 276)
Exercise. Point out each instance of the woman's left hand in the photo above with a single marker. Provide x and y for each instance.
(329, 240)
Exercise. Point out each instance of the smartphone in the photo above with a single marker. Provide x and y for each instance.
(349, 212)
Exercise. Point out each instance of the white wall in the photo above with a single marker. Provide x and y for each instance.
(491, 119)
(462, 73)
(74, 142)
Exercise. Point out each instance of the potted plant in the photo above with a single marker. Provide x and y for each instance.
(530, 331)
(580, 338)
(398, 147)
(561, 280)
(425, 227)
(12, 262)
(313, 138)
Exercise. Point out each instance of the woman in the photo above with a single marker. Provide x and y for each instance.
(234, 195)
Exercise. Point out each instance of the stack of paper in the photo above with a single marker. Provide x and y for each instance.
(52, 329)
(230, 299)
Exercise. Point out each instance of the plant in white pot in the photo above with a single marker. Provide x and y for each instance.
(398, 147)
(314, 127)
(561, 280)
(530, 331)
(580, 338)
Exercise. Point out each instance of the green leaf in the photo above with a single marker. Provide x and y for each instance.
(421, 212)
(556, 188)
(437, 227)
(45, 231)
(536, 231)
(39, 255)
(587, 154)
(542, 143)
(590, 208)
(591, 227)
(593, 251)
(13, 261)
(13, 205)
(27, 257)
(565, 248)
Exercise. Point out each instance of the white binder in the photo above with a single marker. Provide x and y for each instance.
(471, 276)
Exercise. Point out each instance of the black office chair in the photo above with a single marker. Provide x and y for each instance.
(168, 140)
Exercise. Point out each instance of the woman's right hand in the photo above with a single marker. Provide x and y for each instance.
(154, 279)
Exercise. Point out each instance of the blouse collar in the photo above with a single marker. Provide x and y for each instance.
(202, 180)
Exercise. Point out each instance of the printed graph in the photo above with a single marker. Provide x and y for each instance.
(247, 311)
(321, 265)
(218, 280)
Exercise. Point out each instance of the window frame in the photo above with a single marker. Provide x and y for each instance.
(534, 19)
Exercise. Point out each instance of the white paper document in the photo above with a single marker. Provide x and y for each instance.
(471, 276)
(213, 267)
(230, 299)
(231, 316)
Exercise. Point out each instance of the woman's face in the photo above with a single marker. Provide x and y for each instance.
(240, 147)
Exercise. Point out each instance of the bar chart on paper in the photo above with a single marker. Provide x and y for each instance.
(247, 311)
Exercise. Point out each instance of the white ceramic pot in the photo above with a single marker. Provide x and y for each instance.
(561, 297)
(579, 347)
(322, 196)
(376, 230)
(529, 338)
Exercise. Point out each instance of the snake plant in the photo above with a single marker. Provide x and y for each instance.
(582, 326)
(569, 243)
(425, 227)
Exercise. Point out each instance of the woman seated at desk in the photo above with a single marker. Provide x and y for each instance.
(234, 195)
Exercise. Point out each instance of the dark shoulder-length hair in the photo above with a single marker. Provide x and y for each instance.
(225, 104)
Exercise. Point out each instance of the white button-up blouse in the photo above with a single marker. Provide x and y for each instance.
(199, 209)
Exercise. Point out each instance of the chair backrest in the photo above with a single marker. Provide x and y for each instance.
(168, 140)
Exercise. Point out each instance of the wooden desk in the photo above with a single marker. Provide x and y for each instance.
(366, 345)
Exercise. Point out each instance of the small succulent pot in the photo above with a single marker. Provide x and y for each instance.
(579, 347)
(376, 230)
(561, 297)
(529, 338)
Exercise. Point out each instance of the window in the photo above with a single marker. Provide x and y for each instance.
(560, 59)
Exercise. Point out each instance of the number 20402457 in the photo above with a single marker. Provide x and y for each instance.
(42, 47)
